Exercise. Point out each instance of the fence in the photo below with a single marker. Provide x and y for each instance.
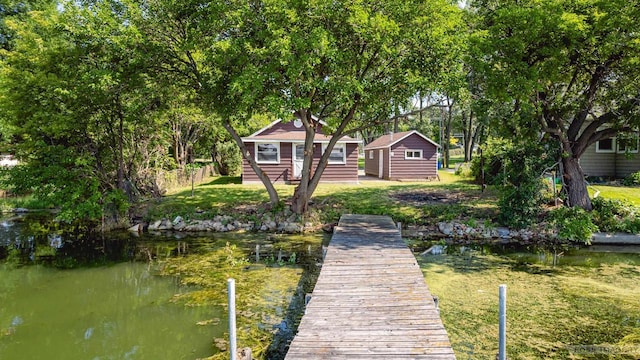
(167, 180)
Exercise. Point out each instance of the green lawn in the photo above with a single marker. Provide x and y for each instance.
(624, 193)
(455, 197)
(222, 195)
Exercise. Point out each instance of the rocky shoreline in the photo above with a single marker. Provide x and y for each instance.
(460, 232)
(294, 224)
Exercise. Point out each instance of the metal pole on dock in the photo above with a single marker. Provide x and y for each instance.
(231, 290)
(502, 330)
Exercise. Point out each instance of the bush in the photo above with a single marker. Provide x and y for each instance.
(631, 225)
(228, 158)
(495, 156)
(516, 168)
(463, 169)
(520, 205)
(573, 224)
(632, 179)
(615, 216)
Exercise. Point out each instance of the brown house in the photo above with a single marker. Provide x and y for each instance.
(407, 155)
(278, 149)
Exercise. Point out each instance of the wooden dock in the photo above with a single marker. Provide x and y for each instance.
(371, 300)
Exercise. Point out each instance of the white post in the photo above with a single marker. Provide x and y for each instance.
(231, 290)
(258, 253)
(502, 330)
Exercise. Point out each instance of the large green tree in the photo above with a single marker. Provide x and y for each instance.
(345, 63)
(567, 70)
(78, 103)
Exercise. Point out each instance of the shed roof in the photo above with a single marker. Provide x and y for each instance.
(389, 140)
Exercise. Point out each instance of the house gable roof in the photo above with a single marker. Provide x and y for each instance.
(291, 134)
(389, 140)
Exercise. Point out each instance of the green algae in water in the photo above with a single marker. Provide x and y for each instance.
(268, 298)
(585, 307)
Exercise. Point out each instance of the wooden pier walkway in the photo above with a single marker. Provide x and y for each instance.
(371, 300)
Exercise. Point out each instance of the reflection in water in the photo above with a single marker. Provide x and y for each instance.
(102, 299)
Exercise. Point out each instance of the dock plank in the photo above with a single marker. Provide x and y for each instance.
(371, 300)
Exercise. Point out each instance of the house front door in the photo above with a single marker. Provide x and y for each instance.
(298, 160)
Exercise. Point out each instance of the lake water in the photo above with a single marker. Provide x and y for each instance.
(119, 311)
(103, 299)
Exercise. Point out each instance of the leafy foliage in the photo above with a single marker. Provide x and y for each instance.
(616, 216)
(85, 110)
(491, 163)
(564, 68)
(516, 170)
(573, 224)
(633, 179)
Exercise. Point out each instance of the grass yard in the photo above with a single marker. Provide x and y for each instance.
(624, 193)
(409, 202)
(587, 311)
(453, 197)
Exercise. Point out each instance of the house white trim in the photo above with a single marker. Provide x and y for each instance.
(402, 138)
(266, 142)
(338, 145)
(413, 154)
(607, 149)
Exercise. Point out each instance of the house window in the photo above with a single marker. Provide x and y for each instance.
(605, 146)
(338, 154)
(413, 154)
(628, 144)
(370, 154)
(268, 153)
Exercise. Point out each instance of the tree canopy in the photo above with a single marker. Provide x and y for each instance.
(563, 69)
(344, 63)
(94, 94)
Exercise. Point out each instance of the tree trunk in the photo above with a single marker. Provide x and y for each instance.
(120, 154)
(274, 199)
(468, 134)
(302, 195)
(575, 186)
(447, 134)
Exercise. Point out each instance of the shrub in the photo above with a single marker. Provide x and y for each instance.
(520, 205)
(573, 224)
(632, 179)
(609, 215)
(631, 225)
(464, 169)
(495, 155)
(228, 158)
(516, 168)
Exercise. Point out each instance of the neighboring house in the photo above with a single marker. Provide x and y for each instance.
(279, 150)
(614, 157)
(402, 156)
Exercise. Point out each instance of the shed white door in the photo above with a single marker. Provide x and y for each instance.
(298, 160)
(380, 163)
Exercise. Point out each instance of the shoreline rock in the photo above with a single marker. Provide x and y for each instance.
(292, 224)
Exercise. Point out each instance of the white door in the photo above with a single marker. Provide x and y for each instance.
(380, 163)
(298, 160)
